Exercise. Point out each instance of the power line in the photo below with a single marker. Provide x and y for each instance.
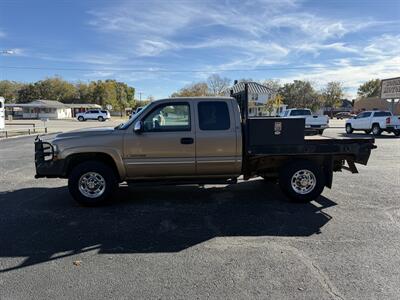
(185, 70)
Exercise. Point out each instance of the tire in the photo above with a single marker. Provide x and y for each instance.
(100, 118)
(291, 175)
(321, 131)
(396, 132)
(367, 131)
(81, 119)
(376, 129)
(349, 129)
(89, 171)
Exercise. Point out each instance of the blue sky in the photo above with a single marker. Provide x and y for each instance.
(160, 46)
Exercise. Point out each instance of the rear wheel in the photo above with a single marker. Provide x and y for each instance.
(302, 181)
(376, 129)
(100, 118)
(321, 131)
(397, 132)
(92, 183)
(81, 119)
(349, 129)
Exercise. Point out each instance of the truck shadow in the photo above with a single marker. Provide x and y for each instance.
(44, 224)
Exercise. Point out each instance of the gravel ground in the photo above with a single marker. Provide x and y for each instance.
(234, 242)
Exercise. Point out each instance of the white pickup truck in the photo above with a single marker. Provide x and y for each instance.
(313, 123)
(375, 121)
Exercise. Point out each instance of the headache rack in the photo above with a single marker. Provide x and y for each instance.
(44, 151)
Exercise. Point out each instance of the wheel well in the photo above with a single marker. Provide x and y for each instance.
(375, 124)
(75, 159)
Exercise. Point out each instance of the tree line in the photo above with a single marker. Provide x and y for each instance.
(102, 92)
(299, 93)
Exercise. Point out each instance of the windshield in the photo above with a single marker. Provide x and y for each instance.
(132, 120)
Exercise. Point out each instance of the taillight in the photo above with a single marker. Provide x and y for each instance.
(388, 120)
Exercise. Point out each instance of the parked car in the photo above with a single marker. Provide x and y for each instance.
(314, 123)
(344, 115)
(201, 140)
(374, 121)
(94, 114)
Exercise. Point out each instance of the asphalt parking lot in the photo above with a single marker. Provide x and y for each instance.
(235, 242)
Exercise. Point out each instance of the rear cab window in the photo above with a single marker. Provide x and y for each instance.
(300, 112)
(213, 115)
(382, 114)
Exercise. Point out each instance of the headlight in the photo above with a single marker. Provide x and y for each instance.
(55, 147)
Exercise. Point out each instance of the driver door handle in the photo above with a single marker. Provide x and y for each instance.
(187, 141)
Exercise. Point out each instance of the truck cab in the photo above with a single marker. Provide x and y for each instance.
(184, 137)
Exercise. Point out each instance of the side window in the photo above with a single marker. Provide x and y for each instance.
(367, 114)
(360, 115)
(168, 117)
(382, 114)
(213, 115)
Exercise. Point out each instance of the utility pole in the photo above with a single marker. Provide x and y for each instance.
(140, 96)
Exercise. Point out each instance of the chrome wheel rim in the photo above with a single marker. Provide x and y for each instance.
(92, 185)
(303, 181)
(375, 130)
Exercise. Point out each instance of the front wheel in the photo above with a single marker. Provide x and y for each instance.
(302, 181)
(101, 119)
(349, 129)
(81, 119)
(321, 131)
(397, 132)
(92, 183)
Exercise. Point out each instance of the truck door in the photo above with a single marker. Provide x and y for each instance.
(165, 146)
(216, 139)
(363, 122)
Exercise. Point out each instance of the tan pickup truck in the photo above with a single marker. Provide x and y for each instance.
(196, 140)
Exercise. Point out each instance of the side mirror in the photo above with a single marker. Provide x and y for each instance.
(138, 127)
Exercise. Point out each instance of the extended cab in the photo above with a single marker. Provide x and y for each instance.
(374, 121)
(197, 140)
(314, 123)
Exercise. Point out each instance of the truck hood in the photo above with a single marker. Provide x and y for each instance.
(85, 132)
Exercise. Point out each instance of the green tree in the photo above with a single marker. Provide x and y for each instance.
(27, 93)
(371, 88)
(55, 88)
(300, 94)
(331, 95)
(9, 90)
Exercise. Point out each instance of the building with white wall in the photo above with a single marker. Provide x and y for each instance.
(39, 109)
